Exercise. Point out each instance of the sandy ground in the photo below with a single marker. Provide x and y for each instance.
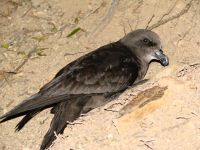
(161, 114)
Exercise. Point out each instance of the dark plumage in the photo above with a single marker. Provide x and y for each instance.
(90, 81)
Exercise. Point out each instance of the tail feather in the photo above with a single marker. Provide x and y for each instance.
(64, 112)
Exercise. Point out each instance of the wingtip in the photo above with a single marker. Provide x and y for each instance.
(2, 118)
(7, 116)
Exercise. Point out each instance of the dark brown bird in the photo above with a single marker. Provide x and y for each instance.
(91, 80)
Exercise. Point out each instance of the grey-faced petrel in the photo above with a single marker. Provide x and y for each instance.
(91, 80)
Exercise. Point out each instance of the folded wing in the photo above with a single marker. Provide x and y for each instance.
(109, 69)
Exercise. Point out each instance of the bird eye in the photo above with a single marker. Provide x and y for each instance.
(145, 40)
(161, 50)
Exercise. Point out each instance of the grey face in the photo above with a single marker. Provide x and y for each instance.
(146, 44)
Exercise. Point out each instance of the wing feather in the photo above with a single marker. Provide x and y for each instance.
(108, 69)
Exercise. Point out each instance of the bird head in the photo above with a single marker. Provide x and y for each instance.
(146, 45)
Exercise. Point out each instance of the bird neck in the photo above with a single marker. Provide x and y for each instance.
(142, 71)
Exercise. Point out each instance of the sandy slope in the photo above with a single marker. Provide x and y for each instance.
(169, 120)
